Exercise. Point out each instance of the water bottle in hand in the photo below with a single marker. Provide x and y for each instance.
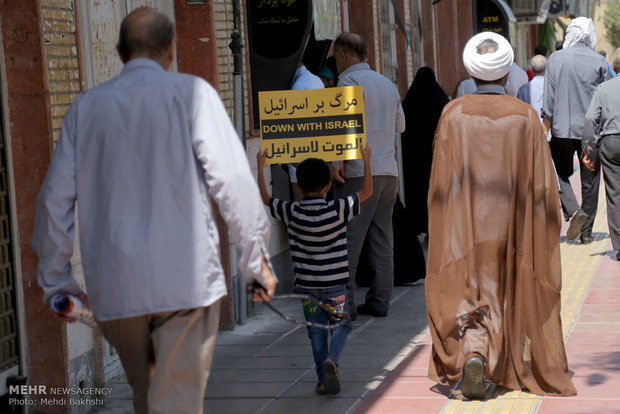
(70, 305)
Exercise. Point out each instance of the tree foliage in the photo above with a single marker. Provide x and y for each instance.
(611, 21)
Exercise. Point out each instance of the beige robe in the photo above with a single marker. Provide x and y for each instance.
(494, 272)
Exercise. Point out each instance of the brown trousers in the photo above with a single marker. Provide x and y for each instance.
(166, 357)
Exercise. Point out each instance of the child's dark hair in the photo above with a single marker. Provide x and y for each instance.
(313, 174)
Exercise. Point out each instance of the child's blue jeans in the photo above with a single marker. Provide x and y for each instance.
(321, 347)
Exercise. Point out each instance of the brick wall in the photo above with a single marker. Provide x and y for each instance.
(224, 25)
(59, 30)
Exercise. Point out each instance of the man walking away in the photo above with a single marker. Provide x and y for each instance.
(494, 273)
(532, 92)
(384, 119)
(571, 77)
(601, 136)
(147, 156)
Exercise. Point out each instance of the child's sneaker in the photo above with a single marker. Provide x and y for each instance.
(332, 380)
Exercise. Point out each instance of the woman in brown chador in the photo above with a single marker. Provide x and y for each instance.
(494, 276)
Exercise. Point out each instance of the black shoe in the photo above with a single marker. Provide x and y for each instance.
(367, 310)
(586, 237)
(576, 222)
(472, 384)
(618, 256)
(332, 378)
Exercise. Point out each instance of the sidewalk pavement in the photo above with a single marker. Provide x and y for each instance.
(266, 365)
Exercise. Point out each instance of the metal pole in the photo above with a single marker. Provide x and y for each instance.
(236, 46)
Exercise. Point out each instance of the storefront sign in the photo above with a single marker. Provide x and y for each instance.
(494, 16)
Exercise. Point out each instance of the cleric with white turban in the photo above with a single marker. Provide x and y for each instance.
(488, 56)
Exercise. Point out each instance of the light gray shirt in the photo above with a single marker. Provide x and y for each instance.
(571, 77)
(466, 87)
(384, 119)
(145, 155)
(517, 77)
(304, 79)
(603, 116)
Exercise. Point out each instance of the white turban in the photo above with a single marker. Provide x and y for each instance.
(488, 66)
(580, 30)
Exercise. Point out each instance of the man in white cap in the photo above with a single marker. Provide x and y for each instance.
(571, 76)
(494, 275)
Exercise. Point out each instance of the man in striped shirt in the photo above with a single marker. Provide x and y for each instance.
(317, 234)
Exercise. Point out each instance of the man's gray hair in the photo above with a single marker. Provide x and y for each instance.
(487, 46)
(539, 63)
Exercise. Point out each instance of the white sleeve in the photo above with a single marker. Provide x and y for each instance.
(54, 227)
(229, 179)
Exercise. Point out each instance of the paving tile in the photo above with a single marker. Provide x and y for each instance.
(357, 374)
(401, 405)
(317, 404)
(601, 301)
(235, 406)
(287, 350)
(575, 405)
(271, 362)
(356, 348)
(598, 317)
(245, 390)
(364, 361)
(251, 376)
(222, 351)
(417, 388)
(228, 338)
(597, 328)
(347, 389)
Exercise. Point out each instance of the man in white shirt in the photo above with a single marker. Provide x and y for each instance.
(148, 155)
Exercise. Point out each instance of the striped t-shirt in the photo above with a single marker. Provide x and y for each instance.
(317, 235)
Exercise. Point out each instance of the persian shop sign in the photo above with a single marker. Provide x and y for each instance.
(317, 123)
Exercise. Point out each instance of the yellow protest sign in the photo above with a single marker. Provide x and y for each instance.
(316, 123)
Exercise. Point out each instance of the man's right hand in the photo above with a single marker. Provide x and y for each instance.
(70, 319)
(589, 164)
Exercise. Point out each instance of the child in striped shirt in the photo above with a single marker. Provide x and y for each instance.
(317, 234)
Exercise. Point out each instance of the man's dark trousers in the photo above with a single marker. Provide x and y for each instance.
(562, 152)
